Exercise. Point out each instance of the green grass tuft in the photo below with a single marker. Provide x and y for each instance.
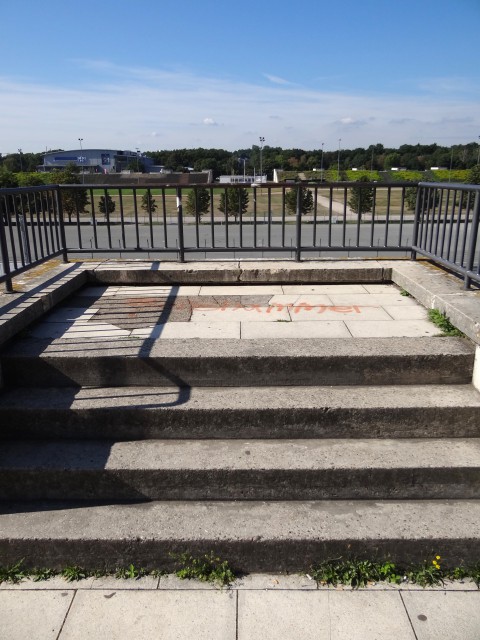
(441, 321)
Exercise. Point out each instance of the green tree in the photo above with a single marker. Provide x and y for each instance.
(148, 202)
(411, 198)
(198, 202)
(8, 179)
(234, 201)
(306, 200)
(361, 197)
(473, 176)
(74, 201)
(106, 204)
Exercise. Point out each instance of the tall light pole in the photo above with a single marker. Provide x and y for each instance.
(478, 155)
(321, 164)
(21, 163)
(262, 140)
(338, 163)
(138, 151)
(81, 160)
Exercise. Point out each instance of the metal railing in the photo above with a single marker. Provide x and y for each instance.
(277, 220)
(31, 229)
(447, 227)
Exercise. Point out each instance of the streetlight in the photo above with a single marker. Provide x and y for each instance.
(478, 156)
(138, 151)
(338, 164)
(81, 160)
(21, 163)
(321, 164)
(262, 140)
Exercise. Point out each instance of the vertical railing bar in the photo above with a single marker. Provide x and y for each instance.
(150, 215)
(25, 235)
(402, 216)
(298, 226)
(473, 239)
(94, 220)
(330, 217)
(164, 214)
(9, 200)
(197, 230)
(283, 216)
(240, 218)
(315, 208)
(107, 218)
(212, 217)
(32, 222)
(181, 246)
(39, 222)
(457, 227)
(465, 228)
(344, 229)
(61, 222)
(437, 232)
(135, 215)
(122, 217)
(269, 217)
(451, 224)
(444, 223)
(254, 216)
(4, 251)
(387, 216)
(372, 221)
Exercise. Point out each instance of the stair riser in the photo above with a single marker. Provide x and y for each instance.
(322, 422)
(278, 484)
(242, 371)
(249, 556)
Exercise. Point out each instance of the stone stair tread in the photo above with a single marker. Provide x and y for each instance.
(229, 348)
(238, 398)
(237, 455)
(252, 535)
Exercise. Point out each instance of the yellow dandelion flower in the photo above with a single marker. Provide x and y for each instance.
(437, 557)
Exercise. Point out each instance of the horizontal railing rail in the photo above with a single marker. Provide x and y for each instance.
(295, 220)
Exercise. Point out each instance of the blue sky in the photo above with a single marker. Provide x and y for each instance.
(163, 75)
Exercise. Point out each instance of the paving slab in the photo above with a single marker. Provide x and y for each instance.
(251, 313)
(323, 289)
(241, 289)
(373, 299)
(286, 614)
(37, 615)
(391, 328)
(166, 615)
(444, 614)
(196, 329)
(284, 329)
(406, 313)
(357, 616)
(327, 313)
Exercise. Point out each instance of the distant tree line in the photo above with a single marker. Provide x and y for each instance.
(221, 162)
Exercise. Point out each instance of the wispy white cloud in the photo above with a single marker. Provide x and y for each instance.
(277, 79)
(121, 106)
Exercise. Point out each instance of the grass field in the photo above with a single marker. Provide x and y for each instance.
(263, 203)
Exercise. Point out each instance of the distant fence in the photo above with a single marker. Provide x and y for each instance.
(292, 220)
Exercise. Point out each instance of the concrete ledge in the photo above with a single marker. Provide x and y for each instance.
(19, 310)
(435, 288)
(240, 272)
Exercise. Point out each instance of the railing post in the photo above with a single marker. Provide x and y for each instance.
(181, 246)
(63, 239)
(5, 258)
(473, 239)
(298, 225)
(413, 254)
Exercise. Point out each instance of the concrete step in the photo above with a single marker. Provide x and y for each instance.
(241, 470)
(184, 363)
(122, 413)
(252, 536)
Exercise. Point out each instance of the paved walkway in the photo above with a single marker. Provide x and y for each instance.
(257, 606)
(238, 312)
